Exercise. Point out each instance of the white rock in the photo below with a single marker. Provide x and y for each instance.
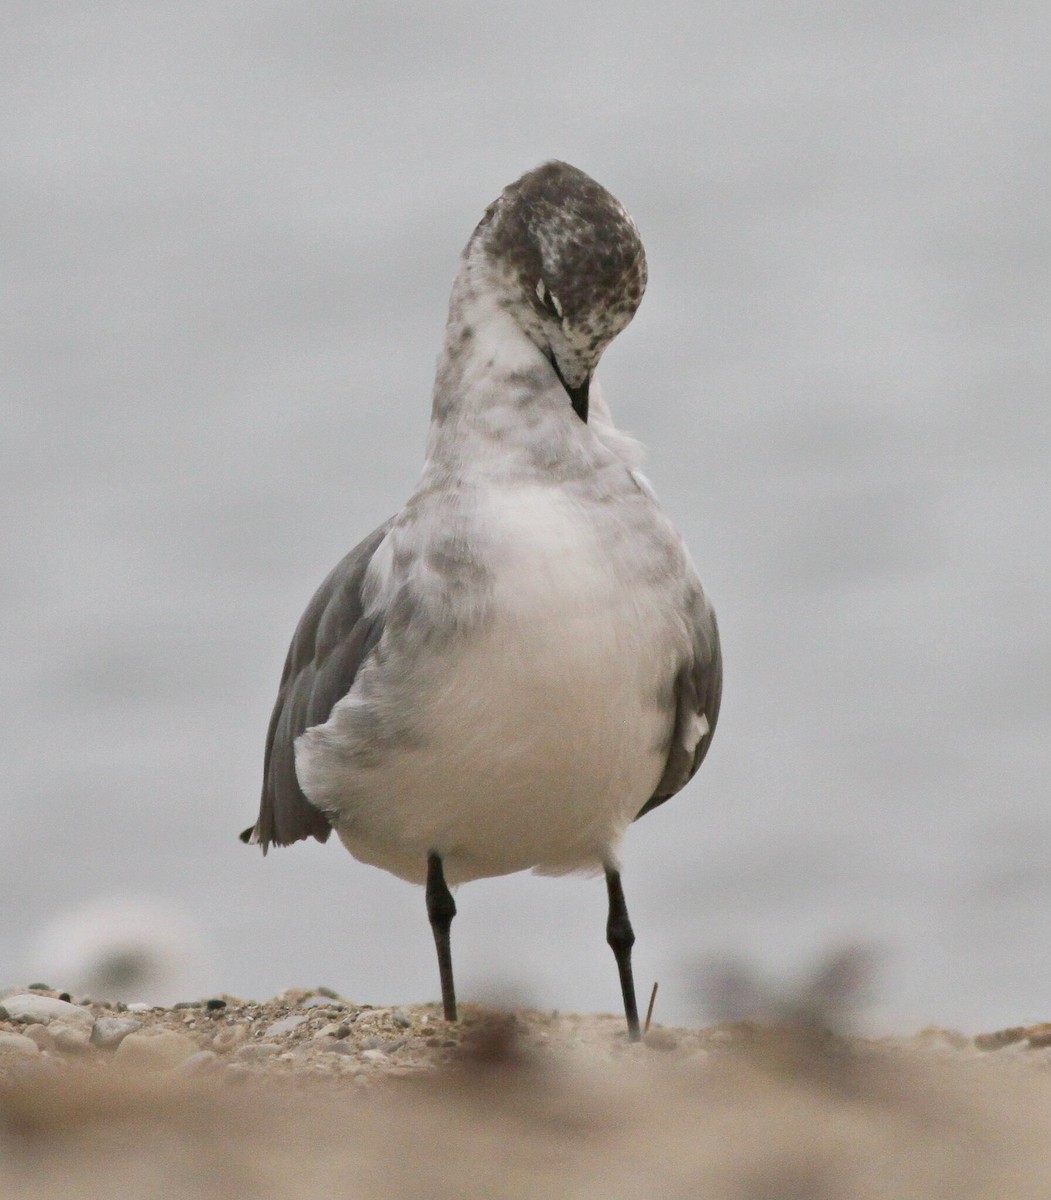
(201, 1063)
(31, 1009)
(256, 1050)
(286, 1025)
(41, 1035)
(317, 1001)
(229, 1038)
(70, 1039)
(155, 1049)
(109, 1032)
(17, 1044)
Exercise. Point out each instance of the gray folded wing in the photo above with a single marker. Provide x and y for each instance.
(331, 642)
(698, 692)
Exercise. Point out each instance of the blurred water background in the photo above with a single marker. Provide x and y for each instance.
(230, 230)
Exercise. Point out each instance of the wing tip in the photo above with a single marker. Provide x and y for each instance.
(252, 837)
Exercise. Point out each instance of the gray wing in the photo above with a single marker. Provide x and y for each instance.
(331, 642)
(698, 693)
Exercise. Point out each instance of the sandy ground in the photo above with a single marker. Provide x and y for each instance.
(308, 1095)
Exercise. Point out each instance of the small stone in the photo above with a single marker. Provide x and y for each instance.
(140, 1007)
(401, 1019)
(155, 1049)
(376, 1056)
(215, 1005)
(256, 1050)
(109, 1032)
(391, 1047)
(14, 1045)
(41, 1035)
(999, 1039)
(229, 1038)
(328, 1031)
(30, 1009)
(285, 1025)
(201, 1063)
(319, 1000)
(372, 1042)
(933, 1037)
(70, 1039)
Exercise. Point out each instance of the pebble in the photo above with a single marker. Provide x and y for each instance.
(376, 1056)
(285, 1025)
(661, 1039)
(1001, 1038)
(320, 1000)
(155, 1049)
(257, 1050)
(201, 1063)
(30, 1009)
(933, 1037)
(70, 1039)
(229, 1038)
(41, 1035)
(109, 1032)
(17, 1044)
(401, 1019)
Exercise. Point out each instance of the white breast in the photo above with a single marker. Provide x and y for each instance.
(542, 735)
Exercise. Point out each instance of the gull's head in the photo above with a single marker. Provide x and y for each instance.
(567, 264)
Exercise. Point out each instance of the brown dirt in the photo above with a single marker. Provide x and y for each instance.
(354, 1101)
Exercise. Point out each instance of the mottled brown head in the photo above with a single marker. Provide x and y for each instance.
(571, 265)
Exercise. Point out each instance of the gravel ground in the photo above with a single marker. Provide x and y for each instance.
(315, 1033)
(301, 1033)
(310, 1097)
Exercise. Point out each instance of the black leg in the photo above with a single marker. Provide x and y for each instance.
(441, 908)
(621, 938)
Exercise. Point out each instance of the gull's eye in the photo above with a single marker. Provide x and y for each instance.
(548, 299)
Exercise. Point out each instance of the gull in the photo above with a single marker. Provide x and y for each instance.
(523, 661)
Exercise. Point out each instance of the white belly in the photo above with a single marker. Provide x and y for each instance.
(540, 736)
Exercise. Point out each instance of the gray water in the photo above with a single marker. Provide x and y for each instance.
(229, 236)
